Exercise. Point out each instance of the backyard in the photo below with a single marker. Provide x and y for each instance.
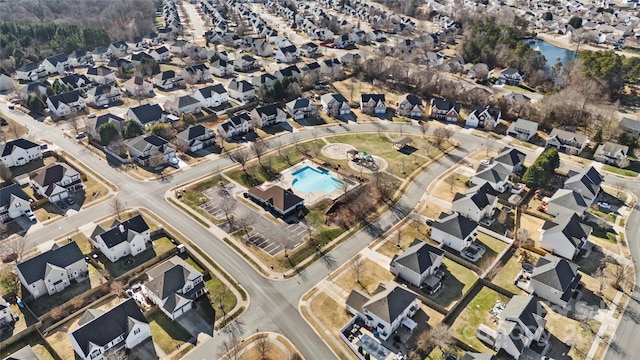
(493, 247)
(447, 188)
(115, 269)
(411, 231)
(166, 333)
(218, 290)
(505, 277)
(36, 342)
(458, 280)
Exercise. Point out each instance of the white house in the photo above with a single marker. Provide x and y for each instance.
(119, 48)
(56, 64)
(587, 182)
(66, 103)
(301, 108)
(419, 265)
(99, 333)
(6, 83)
(565, 237)
(495, 174)
(522, 129)
(510, 76)
(566, 202)
(212, 96)
(454, 231)
(138, 86)
(476, 203)
(80, 58)
(287, 54)
(482, 117)
(373, 104)
(521, 325)
(268, 115)
(554, 279)
(196, 137)
(93, 125)
(241, 90)
(221, 68)
(103, 95)
(146, 114)
(173, 285)
(13, 202)
(52, 271)
(610, 153)
(197, 74)
(6, 317)
(101, 75)
(390, 307)
(335, 104)
(186, 104)
(566, 141)
(18, 152)
(130, 237)
(160, 54)
(30, 72)
(144, 148)
(235, 125)
(511, 159)
(309, 49)
(55, 181)
(410, 105)
(168, 80)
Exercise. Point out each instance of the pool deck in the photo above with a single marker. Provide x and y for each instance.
(310, 198)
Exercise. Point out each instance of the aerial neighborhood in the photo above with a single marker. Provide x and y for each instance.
(358, 179)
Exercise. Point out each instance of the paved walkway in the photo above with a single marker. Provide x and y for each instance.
(606, 320)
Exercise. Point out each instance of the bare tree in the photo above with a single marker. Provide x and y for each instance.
(230, 349)
(5, 172)
(219, 299)
(15, 246)
(117, 287)
(620, 187)
(622, 274)
(286, 155)
(602, 279)
(116, 354)
(227, 205)
(584, 313)
(156, 158)
(245, 221)
(259, 148)
(57, 313)
(77, 302)
(117, 206)
(263, 345)
(451, 181)
(3, 230)
(438, 336)
(399, 239)
(358, 268)
(241, 157)
(424, 129)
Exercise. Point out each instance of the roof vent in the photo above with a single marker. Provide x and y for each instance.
(121, 227)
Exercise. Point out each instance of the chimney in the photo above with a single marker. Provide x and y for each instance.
(121, 227)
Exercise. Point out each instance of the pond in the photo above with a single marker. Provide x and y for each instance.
(552, 53)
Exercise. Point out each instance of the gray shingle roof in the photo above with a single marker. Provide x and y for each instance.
(26, 353)
(35, 268)
(115, 235)
(456, 225)
(419, 257)
(571, 228)
(7, 148)
(510, 156)
(570, 199)
(390, 303)
(7, 192)
(557, 273)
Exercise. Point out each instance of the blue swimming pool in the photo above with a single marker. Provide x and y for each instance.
(308, 179)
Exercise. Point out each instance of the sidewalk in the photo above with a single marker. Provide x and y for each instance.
(607, 320)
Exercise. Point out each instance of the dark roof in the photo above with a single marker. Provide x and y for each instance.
(147, 113)
(510, 71)
(570, 199)
(62, 256)
(168, 278)
(141, 55)
(123, 231)
(74, 79)
(477, 110)
(109, 117)
(99, 71)
(357, 299)
(161, 50)
(207, 91)
(511, 157)
(289, 49)
(108, 326)
(375, 97)
(298, 103)
(100, 90)
(183, 101)
(570, 227)
(411, 98)
(456, 225)
(445, 105)
(589, 177)
(242, 85)
(281, 199)
(193, 131)
(51, 174)
(196, 68)
(557, 273)
(7, 148)
(65, 98)
(564, 136)
(390, 303)
(527, 309)
(248, 58)
(7, 192)
(28, 67)
(494, 172)
(479, 195)
(419, 257)
(269, 110)
(630, 124)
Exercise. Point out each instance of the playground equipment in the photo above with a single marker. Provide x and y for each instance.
(363, 159)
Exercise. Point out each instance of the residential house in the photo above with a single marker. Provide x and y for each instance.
(101, 75)
(212, 96)
(445, 110)
(587, 182)
(350, 58)
(36, 88)
(144, 148)
(287, 54)
(136, 44)
(511, 159)
(55, 181)
(100, 333)
(197, 74)
(282, 202)
(246, 63)
(483, 117)
(234, 126)
(630, 126)
(152, 39)
(301, 108)
(196, 137)
(121, 63)
(119, 48)
(611, 153)
(30, 72)
(510, 76)
(13, 202)
(265, 80)
(93, 125)
(173, 285)
(289, 71)
(6, 83)
(25, 353)
(494, 174)
(565, 236)
(522, 129)
(103, 95)
(521, 325)
(186, 104)
(74, 81)
(66, 103)
(168, 80)
(476, 203)
(100, 53)
(334, 104)
(221, 68)
(138, 86)
(146, 114)
(261, 48)
(419, 265)
(241, 90)
(180, 47)
(56, 64)
(454, 230)
(567, 142)
(330, 67)
(123, 238)
(53, 271)
(373, 104)
(566, 202)
(554, 279)
(268, 115)
(343, 41)
(309, 49)
(478, 356)
(137, 58)
(161, 54)
(390, 307)
(18, 152)
(410, 105)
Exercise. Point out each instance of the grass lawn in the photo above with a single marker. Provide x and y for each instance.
(617, 170)
(81, 240)
(449, 186)
(91, 186)
(359, 87)
(493, 247)
(273, 351)
(567, 330)
(271, 167)
(215, 287)
(433, 210)
(332, 315)
(371, 275)
(166, 333)
(413, 230)
(508, 273)
(36, 342)
(476, 313)
(399, 163)
(115, 269)
(459, 280)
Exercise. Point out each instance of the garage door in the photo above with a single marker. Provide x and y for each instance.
(182, 310)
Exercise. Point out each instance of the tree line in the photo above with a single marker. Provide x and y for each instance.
(537, 174)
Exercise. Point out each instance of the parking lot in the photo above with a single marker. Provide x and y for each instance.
(212, 209)
(267, 245)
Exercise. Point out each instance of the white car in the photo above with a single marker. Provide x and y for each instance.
(604, 205)
(30, 215)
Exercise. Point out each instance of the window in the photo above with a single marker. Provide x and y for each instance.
(136, 331)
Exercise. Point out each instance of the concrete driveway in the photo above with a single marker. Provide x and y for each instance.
(144, 351)
(195, 324)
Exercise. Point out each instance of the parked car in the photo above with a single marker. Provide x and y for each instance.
(70, 201)
(604, 205)
(80, 135)
(91, 115)
(30, 215)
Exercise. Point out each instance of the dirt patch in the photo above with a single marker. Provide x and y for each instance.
(371, 275)
(450, 185)
(337, 151)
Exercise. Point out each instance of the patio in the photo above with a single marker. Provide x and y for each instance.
(393, 348)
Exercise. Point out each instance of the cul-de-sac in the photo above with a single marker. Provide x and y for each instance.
(319, 179)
